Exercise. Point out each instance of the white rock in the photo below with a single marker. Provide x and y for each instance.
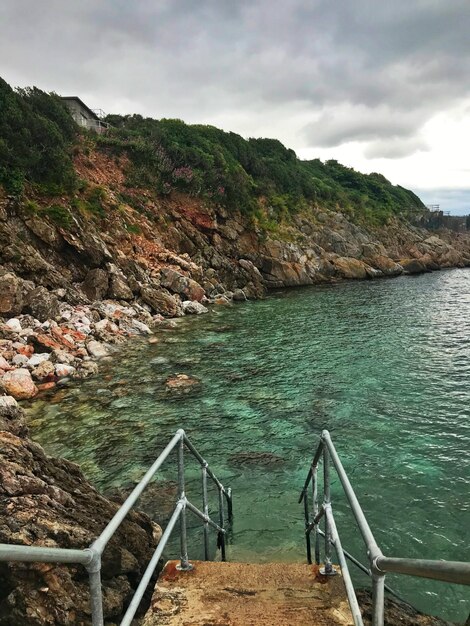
(20, 360)
(141, 327)
(36, 359)
(7, 401)
(14, 324)
(193, 307)
(62, 370)
(46, 325)
(97, 349)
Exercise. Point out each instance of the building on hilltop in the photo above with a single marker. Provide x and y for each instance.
(84, 116)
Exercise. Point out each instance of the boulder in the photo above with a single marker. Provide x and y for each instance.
(14, 325)
(348, 267)
(193, 308)
(38, 358)
(182, 285)
(161, 301)
(386, 265)
(43, 371)
(62, 370)
(42, 304)
(413, 266)
(239, 295)
(19, 384)
(97, 349)
(96, 284)
(11, 294)
(119, 288)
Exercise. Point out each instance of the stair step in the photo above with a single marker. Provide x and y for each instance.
(248, 594)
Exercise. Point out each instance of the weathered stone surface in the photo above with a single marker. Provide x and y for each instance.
(161, 302)
(96, 283)
(182, 285)
(97, 349)
(42, 304)
(397, 613)
(193, 307)
(351, 268)
(43, 371)
(119, 288)
(413, 266)
(47, 501)
(386, 265)
(242, 594)
(11, 294)
(14, 324)
(19, 384)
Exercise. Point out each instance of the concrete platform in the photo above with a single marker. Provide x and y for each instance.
(248, 594)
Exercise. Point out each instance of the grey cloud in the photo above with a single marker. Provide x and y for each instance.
(179, 58)
(457, 201)
(395, 148)
(343, 124)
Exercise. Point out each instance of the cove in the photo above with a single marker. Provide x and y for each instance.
(384, 365)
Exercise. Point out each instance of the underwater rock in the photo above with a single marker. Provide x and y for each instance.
(181, 384)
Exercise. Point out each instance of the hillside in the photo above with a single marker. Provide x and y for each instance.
(103, 236)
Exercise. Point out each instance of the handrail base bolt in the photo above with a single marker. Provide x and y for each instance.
(327, 571)
(185, 568)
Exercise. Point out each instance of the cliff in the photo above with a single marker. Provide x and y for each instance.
(83, 274)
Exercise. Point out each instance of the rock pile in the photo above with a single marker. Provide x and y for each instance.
(36, 355)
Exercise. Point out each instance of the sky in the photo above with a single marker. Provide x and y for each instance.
(379, 86)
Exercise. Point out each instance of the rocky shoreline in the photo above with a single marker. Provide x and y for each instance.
(47, 501)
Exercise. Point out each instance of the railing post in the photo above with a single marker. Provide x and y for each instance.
(184, 565)
(307, 524)
(205, 510)
(96, 597)
(229, 505)
(221, 540)
(316, 536)
(327, 569)
(378, 598)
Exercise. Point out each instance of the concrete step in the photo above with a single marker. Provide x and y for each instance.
(248, 594)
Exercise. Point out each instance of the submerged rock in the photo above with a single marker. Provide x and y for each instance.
(181, 384)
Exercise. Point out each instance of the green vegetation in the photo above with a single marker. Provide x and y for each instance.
(258, 176)
(223, 167)
(36, 132)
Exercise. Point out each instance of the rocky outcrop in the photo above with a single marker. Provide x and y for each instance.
(47, 501)
(397, 613)
(69, 285)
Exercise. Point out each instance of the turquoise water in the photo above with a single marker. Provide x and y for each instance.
(384, 365)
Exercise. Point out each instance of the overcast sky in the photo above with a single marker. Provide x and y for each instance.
(379, 86)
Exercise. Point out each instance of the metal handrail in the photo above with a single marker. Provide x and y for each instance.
(91, 557)
(449, 571)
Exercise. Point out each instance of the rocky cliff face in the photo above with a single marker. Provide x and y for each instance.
(47, 501)
(83, 276)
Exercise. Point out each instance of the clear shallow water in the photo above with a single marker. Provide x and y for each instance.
(384, 365)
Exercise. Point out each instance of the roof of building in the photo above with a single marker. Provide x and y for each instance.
(82, 104)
